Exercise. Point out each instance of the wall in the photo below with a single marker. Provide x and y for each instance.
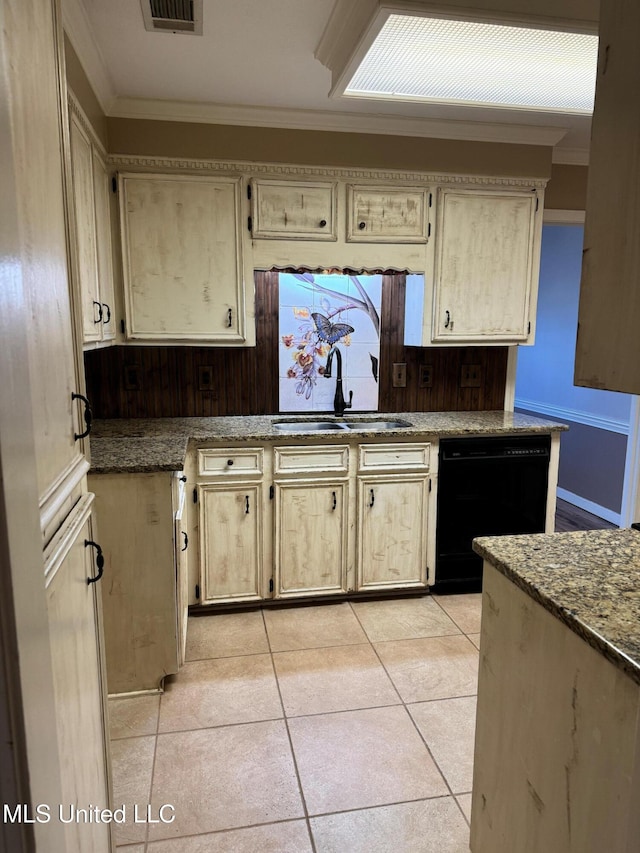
(593, 452)
(81, 87)
(137, 382)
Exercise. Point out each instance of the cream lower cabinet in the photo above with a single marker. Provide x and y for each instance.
(311, 534)
(143, 597)
(75, 632)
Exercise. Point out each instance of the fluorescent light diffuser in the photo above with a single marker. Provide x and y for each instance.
(465, 62)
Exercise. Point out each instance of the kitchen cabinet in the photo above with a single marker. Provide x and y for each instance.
(139, 522)
(485, 269)
(608, 343)
(75, 630)
(183, 260)
(294, 210)
(230, 495)
(388, 214)
(92, 230)
(392, 516)
(311, 517)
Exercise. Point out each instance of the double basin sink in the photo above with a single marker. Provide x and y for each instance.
(328, 426)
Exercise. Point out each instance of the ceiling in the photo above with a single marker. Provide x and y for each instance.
(255, 64)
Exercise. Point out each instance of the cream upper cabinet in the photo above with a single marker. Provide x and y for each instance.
(92, 230)
(294, 210)
(184, 277)
(387, 214)
(487, 250)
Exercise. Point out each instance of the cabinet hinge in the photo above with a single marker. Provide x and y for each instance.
(430, 199)
(430, 484)
(249, 191)
(271, 492)
(195, 496)
(537, 204)
(114, 185)
(197, 590)
(429, 230)
(249, 223)
(427, 572)
(529, 328)
(270, 584)
(122, 326)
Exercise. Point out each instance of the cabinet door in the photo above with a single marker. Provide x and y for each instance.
(484, 265)
(392, 531)
(85, 229)
(294, 210)
(311, 537)
(101, 190)
(388, 215)
(182, 576)
(231, 542)
(75, 632)
(182, 258)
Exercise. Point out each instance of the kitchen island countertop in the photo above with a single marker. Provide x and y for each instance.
(590, 580)
(160, 444)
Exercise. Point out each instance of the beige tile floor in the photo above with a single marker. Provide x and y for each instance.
(341, 728)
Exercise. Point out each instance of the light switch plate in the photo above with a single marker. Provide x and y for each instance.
(399, 375)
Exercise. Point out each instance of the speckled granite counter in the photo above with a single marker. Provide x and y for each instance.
(160, 444)
(589, 580)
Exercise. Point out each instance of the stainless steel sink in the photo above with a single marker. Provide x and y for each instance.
(308, 426)
(327, 426)
(377, 425)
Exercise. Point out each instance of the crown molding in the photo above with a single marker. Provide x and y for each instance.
(321, 120)
(77, 27)
(85, 124)
(571, 156)
(142, 163)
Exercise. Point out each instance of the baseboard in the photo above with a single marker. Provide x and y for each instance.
(590, 506)
(562, 414)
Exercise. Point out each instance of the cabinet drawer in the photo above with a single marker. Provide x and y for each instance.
(379, 457)
(233, 462)
(388, 215)
(330, 459)
(294, 210)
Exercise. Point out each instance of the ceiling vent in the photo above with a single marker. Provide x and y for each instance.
(173, 16)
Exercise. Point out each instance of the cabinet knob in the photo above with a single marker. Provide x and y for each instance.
(362, 225)
(229, 461)
(323, 223)
(183, 479)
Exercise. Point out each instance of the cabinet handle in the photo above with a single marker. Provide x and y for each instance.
(335, 502)
(362, 225)
(373, 497)
(88, 416)
(323, 223)
(246, 504)
(99, 320)
(447, 322)
(183, 479)
(99, 560)
(186, 541)
(108, 319)
(229, 461)
(229, 318)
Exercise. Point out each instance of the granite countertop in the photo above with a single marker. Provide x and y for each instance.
(160, 444)
(590, 580)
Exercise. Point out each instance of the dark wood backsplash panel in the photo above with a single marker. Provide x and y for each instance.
(141, 382)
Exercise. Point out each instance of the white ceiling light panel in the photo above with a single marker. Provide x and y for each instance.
(466, 62)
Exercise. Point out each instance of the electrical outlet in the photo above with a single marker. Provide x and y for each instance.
(132, 377)
(471, 376)
(399, 375)
(205, 378)
(425, 376)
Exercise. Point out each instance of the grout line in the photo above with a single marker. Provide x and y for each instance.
(293, 754)
(153, 768)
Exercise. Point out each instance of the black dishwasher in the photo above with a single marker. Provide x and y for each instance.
(486, 487)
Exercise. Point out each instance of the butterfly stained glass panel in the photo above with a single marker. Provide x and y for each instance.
(318, 312)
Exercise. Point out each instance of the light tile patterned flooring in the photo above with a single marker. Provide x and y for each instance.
(338, 728)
